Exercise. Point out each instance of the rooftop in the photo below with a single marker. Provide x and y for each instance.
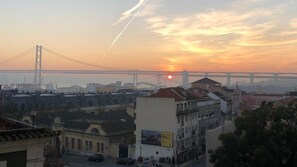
(11, 130)
(180, 94)
(222, 96)
(46, 118)
(286, 101)
(118, 126)
(206, 81)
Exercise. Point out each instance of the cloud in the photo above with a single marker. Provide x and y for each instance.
(293, 23)
(212, 32)
(226, 38)
(130, 12)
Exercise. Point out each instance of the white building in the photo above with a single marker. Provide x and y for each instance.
(214, 86)
(226, 103)
(92, 87)
(172, 123)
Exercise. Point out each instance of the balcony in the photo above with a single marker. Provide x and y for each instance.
(184, 112)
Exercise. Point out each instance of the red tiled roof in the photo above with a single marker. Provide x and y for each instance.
(180, 94)
(287, 101)
(176, 93)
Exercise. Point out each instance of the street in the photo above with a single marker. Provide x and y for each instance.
(81, 161)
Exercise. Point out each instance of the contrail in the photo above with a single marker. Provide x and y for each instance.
(115, 40)
(129, 12)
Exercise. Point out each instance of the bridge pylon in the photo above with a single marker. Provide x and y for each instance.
(185, 79)
(38, 67)
(135, 80)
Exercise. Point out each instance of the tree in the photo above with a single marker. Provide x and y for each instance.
(263, 137)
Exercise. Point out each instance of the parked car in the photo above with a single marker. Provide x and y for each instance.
(96, 158)
(126, 161)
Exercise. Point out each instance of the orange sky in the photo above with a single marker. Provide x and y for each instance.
(233, 35)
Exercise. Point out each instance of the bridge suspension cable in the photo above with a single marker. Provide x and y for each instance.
(78, 61)
(18, 56)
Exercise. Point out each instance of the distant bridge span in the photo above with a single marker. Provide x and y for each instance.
(185, 74)
(38, 71)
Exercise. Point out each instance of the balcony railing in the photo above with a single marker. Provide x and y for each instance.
(182, 112)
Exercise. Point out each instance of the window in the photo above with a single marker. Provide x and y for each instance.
(102, 147)
(182, 132)
(94, 130)
(72, 143)
(91, 145)
(78, 144)
(87, 145)
(66, 142)
(98, 147)
(182, 119)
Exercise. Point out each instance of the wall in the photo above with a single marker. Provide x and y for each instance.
(83, 138)
(34, 148)
(212, 138)
(158, 114)
(223, 104)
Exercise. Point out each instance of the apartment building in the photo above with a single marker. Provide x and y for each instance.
(213, 86)
(172, 123)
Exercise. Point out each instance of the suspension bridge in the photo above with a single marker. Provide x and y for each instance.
(38, 69)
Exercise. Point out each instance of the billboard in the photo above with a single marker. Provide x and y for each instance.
(156, 138)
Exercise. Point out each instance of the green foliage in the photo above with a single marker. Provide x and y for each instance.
(265, 137)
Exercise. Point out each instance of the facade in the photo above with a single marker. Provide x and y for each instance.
(172, 123)
(110, 133)
(21, 144)
(214, 86)
(226, 103)
(92, 87)
(212, 138)
(107, 138)
(71, 89)
(253, 100)
(25, 102)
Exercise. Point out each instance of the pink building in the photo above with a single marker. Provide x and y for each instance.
(254, 100)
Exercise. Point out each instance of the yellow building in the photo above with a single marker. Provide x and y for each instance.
(111, 138)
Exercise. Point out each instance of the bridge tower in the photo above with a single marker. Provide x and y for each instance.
(185, 77)
(38, 67)
(135, 81)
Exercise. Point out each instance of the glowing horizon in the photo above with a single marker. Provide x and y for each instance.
(171, 35)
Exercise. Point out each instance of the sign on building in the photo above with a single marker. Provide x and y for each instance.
(156, 138)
